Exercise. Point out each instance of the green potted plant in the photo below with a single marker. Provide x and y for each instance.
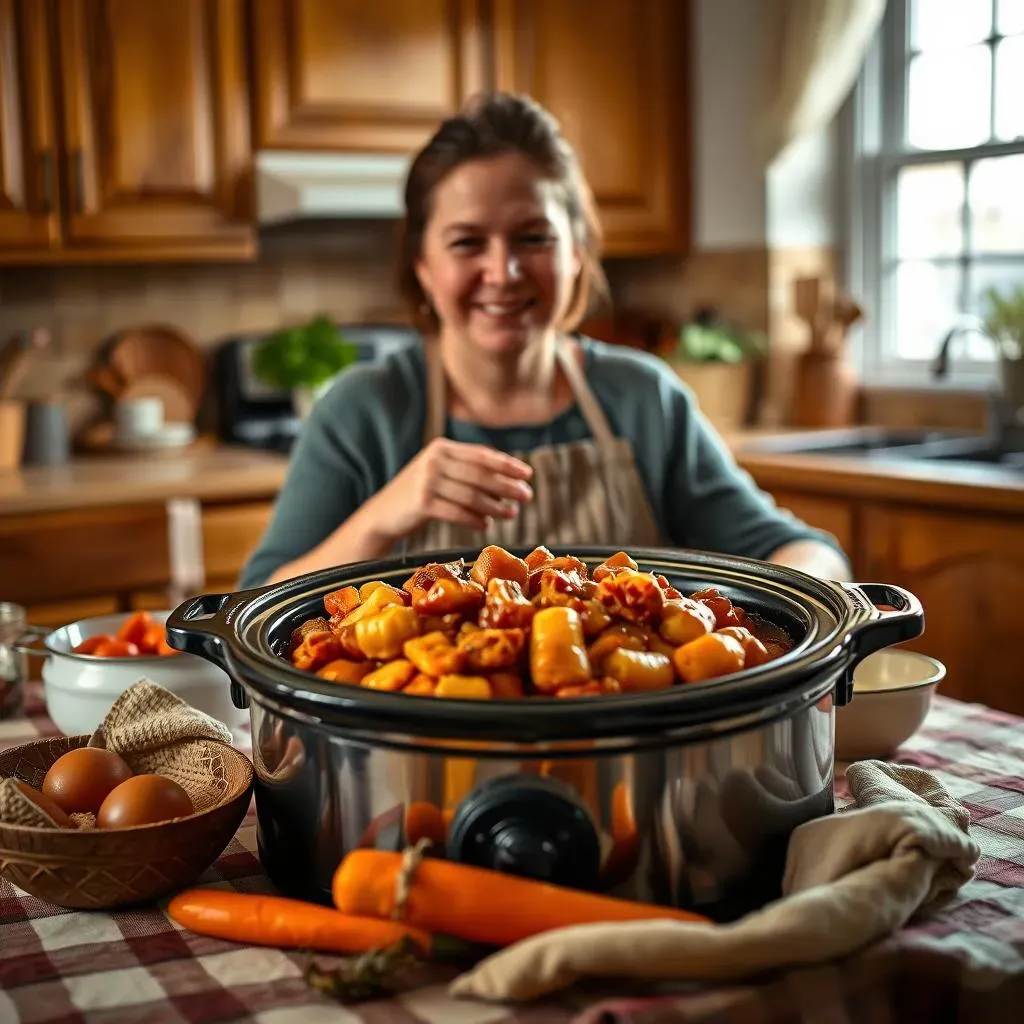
(715, 359)
(1003, 321)
(303, 359)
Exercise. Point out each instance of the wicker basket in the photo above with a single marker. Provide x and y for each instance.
(98, 869)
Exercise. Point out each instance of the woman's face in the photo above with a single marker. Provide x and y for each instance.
(499, 262)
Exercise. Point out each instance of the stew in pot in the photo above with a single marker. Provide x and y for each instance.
(505, 627)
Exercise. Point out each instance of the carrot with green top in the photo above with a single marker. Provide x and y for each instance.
(473, 904)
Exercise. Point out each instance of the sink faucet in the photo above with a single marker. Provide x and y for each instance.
(1006, 404)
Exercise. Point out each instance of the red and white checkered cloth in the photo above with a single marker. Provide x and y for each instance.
(967, 963)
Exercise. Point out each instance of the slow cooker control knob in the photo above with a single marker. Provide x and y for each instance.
(527, 825)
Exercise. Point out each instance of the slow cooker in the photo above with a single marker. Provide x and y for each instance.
(684, 797)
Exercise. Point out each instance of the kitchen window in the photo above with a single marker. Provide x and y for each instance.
(935, 158)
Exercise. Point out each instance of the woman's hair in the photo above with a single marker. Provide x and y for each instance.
(488, 126)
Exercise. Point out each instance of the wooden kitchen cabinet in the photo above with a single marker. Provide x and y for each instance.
(29, 201)
(151, 158)
(615, 74)
(968, 571)
(837, 516)
(355, 75)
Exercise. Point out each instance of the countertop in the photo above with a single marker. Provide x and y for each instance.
(951, 485)
(217, 473)
(224, 473)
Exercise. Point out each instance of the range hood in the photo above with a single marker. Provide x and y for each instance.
(314, 186)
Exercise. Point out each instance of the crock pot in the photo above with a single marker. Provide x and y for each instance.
(684, 797)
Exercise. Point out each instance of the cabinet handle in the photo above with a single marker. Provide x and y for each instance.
(46, 182)
(76, 178)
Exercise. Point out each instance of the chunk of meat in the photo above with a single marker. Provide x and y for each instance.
(634, 596)
(490, 649)
(495, 563)
(506, 606)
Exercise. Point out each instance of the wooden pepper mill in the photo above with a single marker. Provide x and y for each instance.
(825, 390)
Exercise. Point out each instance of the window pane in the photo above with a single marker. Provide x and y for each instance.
(1010, 89)
(929, 204)
(997, 204)
(926, 301)
(949, 22)
(949, 100)
(1011, 17)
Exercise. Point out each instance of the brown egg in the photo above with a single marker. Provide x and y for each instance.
(42, 801)
(144, 800)
(79, 781)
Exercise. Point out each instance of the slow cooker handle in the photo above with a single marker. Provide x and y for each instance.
(883, 615)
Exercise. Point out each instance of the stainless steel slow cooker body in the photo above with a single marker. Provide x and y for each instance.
(685, 797)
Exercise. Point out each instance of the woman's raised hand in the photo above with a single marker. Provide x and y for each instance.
(465, 484)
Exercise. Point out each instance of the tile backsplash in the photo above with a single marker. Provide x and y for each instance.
(346, 272)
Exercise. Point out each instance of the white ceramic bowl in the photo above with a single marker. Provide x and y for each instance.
(892, 691)
(79, 688)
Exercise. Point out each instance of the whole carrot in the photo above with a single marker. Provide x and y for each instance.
(258, 920)
(473, 904)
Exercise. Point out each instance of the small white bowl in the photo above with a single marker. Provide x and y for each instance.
(892, 692)
(79, 688)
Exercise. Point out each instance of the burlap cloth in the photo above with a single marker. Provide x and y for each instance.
(901, 850)
(155, 732)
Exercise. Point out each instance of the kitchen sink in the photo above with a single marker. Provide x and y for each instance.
(878, 444)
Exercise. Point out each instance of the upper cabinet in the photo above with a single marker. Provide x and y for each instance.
(614, 74)
(129, 127)
(29, 202)
(151, 156)
(156, 138)
(372, 75)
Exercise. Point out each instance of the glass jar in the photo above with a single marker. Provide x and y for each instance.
(13, 664)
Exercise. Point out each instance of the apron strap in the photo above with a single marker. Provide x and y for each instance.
(590, 407)
(437, 397)
(437, 412)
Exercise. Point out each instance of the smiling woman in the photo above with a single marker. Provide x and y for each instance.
(502, 427)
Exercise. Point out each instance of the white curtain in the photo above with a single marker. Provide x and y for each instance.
(817, 49)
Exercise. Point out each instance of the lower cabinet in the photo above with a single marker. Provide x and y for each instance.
(966, 568)
(64, 566)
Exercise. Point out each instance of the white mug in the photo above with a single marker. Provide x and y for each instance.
(139, 417)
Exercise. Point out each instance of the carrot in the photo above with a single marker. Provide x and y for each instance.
(133, 629)
(286, 923)
(475, 904)
(425, 821)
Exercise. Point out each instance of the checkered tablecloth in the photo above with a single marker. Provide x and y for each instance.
(966, 964)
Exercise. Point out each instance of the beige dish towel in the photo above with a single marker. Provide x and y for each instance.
(852, 878)
(155, 731)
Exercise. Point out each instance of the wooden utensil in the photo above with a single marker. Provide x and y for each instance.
(17, 365)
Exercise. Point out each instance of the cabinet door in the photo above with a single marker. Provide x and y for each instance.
(29, 205)
(834, 515)
(968, 572)
(157, 143)
(362, 74)
(614, 74)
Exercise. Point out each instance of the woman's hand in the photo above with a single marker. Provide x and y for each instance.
(465, 484)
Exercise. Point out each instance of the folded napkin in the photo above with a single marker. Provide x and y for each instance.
(903, 849)
(155, 732)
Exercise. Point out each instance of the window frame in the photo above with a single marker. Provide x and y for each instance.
(870, 154)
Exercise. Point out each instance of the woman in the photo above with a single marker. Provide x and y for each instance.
(500, 428)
